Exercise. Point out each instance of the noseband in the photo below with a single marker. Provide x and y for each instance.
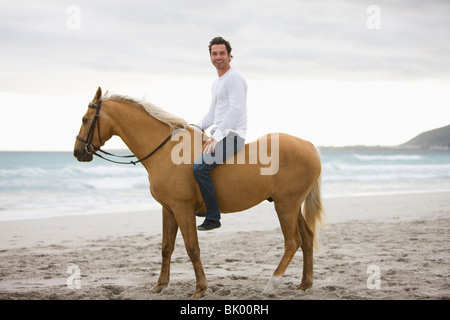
(91, 149)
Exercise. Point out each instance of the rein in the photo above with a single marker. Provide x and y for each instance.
(91, 149)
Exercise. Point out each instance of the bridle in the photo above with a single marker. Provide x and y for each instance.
(91, 149)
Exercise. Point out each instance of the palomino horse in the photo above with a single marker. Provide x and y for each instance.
(149, 133)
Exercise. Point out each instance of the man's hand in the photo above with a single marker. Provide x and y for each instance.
(209, 146)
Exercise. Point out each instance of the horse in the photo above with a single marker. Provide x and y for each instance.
(153, 134)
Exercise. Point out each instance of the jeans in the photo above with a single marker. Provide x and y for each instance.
(225, 148)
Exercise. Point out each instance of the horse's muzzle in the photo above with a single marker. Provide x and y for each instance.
(82, 155)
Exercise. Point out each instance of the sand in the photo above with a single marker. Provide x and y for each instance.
(375, 247)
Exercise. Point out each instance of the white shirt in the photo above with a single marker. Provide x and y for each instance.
(228, 110)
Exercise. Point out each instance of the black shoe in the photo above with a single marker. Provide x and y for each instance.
(209, 225)
(200, 214)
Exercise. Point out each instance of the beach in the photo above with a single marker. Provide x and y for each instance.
(391, 246)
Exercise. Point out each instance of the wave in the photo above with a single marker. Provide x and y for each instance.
(354, 167)
(73, 178)
(42, 184)
(393, 157)
(384, 172)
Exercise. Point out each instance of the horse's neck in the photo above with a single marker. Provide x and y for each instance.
(139, 131)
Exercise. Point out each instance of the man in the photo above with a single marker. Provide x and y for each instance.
(228, 114)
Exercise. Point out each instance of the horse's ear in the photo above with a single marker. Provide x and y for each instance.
(98, 96)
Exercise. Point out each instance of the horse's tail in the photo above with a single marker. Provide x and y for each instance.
(313, 209)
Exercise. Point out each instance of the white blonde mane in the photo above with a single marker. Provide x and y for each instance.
(166, 117)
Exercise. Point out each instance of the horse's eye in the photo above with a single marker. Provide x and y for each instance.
(85, 120)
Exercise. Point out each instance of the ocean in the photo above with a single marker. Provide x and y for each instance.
(383, 172)
(55, 184)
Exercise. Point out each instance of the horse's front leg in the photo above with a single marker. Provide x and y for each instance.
(169, 234)
(187, 224)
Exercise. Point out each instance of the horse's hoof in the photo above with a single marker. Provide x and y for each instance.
(271, 287)
(198, 294)
(270, 295)
(159, 287)
(305, 285)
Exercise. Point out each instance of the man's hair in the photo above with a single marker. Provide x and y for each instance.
(220, 40)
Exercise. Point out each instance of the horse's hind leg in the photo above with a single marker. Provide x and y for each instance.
(170, 228)
(288, 216)
(307, 249)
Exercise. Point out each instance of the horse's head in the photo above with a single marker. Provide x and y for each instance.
(92, 136)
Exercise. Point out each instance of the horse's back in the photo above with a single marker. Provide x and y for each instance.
(299, 162)
(274, 163)
(301, 153)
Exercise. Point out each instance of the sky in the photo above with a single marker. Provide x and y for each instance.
(337, 72)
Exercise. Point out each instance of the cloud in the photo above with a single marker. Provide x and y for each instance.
(285, 39)
(313, 57)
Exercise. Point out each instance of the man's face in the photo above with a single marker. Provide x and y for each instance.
(219, 56)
